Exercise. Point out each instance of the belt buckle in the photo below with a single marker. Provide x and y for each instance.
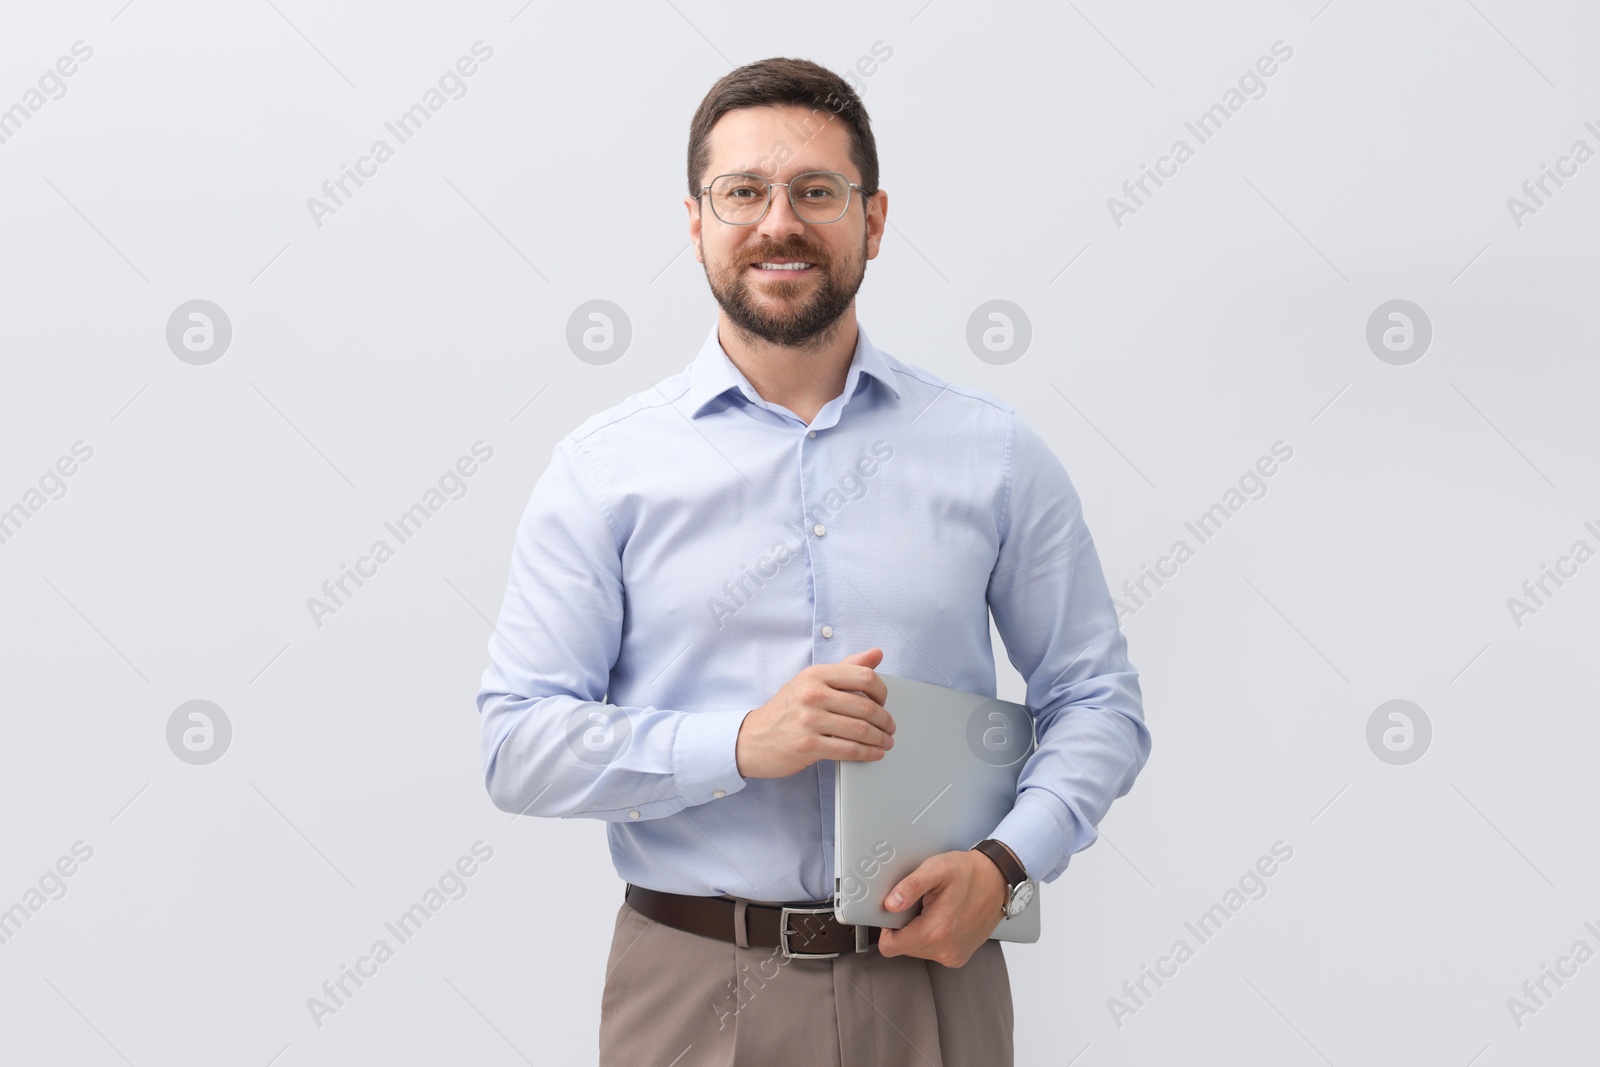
(783, 932)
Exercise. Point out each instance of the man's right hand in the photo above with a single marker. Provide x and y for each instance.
(827, 711)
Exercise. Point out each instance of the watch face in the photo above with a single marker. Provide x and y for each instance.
(1021, 897)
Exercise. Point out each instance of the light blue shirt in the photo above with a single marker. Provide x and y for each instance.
(690, 550)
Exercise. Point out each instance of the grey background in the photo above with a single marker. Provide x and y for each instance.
(1167, 355)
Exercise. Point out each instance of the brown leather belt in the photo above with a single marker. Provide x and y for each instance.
(802, 931)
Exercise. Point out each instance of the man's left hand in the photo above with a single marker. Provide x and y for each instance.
(962, 894)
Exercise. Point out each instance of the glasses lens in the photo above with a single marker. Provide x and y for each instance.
(820, 197)
(739, 198)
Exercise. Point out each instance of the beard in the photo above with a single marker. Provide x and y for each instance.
(797, 321)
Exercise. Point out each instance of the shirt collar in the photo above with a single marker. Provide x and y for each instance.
(713, 373)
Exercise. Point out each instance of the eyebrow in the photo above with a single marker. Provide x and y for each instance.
(751, 168)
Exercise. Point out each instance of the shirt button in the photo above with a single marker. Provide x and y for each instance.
(718, 793)
(827, 631)
(819, 529)
(813, 433)
(634, 814)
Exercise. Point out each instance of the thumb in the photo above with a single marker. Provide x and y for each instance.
(908, 890)
(870, 658)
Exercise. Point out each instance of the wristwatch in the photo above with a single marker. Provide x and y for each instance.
(1019, 891)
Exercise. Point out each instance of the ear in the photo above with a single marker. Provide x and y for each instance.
(693, 207)
(877, 219)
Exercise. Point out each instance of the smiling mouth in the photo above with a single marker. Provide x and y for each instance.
(782, 269)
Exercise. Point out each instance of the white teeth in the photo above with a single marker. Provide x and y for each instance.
(783, 266)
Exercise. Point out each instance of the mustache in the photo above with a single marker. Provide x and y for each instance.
(809, 255)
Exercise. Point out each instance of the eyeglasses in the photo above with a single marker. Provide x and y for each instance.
(744, 199)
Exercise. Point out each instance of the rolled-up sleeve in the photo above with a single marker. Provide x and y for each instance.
(551, 746)
(1056, 617)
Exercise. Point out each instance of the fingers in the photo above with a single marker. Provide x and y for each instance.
(858, 691)
(835, 711)
(851, 728)
(857, 706)
(908, 890)
(836, 748)
(870, 658)
(865, 719)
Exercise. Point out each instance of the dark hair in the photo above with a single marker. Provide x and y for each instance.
(777, 82)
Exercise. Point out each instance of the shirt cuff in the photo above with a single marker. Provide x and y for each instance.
(1036, 830)
(704, 755)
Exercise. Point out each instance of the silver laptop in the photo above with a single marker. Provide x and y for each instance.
(949, 780)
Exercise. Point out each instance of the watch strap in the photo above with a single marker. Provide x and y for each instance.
(1013, 871)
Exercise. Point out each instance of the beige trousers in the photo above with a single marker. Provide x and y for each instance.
(676, 999)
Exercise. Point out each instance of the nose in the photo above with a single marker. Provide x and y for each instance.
(780, 221)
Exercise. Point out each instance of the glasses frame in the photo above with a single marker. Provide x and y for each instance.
(788, 191)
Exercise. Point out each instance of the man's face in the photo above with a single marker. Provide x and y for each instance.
(784, 307)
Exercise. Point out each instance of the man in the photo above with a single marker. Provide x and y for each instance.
(707, 576)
